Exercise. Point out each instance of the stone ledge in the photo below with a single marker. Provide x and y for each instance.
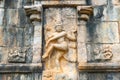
(20, 68)
(99, 67)
(49, 3)
(67, 2)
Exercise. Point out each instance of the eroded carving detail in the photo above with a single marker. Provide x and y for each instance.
(17, 55)
(33, 12)
(58, 45)
(103, 54)
(48, 75)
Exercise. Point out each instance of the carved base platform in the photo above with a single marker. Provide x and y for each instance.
(21, 68)
(54, 75)
(99, 67)
(48, 75)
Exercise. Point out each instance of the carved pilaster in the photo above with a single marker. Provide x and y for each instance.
(84, 13)
(34, 15)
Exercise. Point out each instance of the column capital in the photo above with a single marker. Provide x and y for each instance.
(33, 12)
(85, 12)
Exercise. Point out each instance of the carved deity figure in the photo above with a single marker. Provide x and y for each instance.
(72, 46)
(60, 52)
(56, 42)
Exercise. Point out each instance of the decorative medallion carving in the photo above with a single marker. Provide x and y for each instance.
(17, 54)
(103, 54)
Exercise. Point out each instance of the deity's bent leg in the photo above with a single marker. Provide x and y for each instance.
(57, 60)
(63, 46)
(49, 50)
(61, 50)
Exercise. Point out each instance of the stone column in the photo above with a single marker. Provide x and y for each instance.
(34, 14)
(84, 13)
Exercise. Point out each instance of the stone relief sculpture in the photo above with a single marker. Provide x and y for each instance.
(60, 47)
(103, 54)
(59, 44)
(17, 55)
(72, 46)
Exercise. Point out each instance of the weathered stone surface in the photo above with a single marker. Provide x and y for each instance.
(91, 48)
(34, 15)
(107, 13)
(100, 52)
(23, 68)
(83, 35)
(3, 55)
(16, 17)
(13, 36)
(2, 36)
(60, 51)
(37, 49)
(1, 16)
(28, 2)
(82, 76)
(65, 2)
(96, 48)
(13, 4)
(82, 53)
(99, 76)
(116, 2)
(17, 54)
(20, 76)
(98, 2)
(116, 51)
(103, 32)
(29, 36)
(2, 3)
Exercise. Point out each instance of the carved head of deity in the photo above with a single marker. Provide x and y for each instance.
(58, 28)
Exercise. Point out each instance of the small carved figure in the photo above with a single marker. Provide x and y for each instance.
(56, 42)
(16, 55)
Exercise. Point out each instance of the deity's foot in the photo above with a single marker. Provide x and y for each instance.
(44, 56)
